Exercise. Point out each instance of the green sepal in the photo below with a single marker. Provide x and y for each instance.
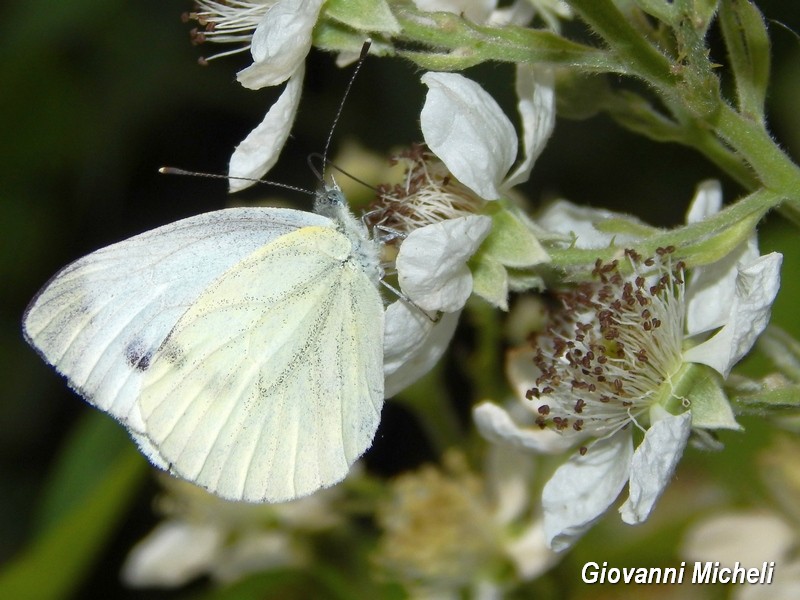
(490, 281)
(334, 37)
(708, 402)
(512, 241)
(512, 244)
(363, 15)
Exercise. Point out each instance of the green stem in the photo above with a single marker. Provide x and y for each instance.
(774, 168)
(693, 241)
(627, 42)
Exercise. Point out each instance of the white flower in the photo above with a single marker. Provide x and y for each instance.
(203, 534)
(622, 355)
(278, 35)
(469, 132)
(279, 46)
(749, 538)
(433, 274)
(434, 216)
(450, 530)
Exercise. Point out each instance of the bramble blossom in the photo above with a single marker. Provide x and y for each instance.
(629, 352)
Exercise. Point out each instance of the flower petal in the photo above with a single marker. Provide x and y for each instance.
(581, 490)
(653, 464)
(577, 222)
(432, 262)
(467, 129)
(529, 552)
(172, 554)
(412, 344)
(255, 552)
(757, 285)
(496, 425)
(259, 151)
(536, 103)
(508, 473)
(749, 537)
(280, 43)
(706, 202)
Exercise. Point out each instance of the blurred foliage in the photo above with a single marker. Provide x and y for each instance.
(96, 97)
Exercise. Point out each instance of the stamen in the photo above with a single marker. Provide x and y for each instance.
(429, 194)
(226, 22)
(616, 341)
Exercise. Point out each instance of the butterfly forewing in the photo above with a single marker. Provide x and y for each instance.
(100, 319)
(270, 386)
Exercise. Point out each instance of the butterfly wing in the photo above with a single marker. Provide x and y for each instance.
(271, 385)
(100, 319)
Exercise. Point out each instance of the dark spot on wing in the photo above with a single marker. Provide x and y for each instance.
(138, 356)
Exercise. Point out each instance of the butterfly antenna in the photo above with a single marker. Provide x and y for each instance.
(361, 58)
(326, 162)
(176, 171)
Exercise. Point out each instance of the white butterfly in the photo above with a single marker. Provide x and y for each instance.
(242, 349)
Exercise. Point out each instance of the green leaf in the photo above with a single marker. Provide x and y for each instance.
(54, 564)
(747, 41)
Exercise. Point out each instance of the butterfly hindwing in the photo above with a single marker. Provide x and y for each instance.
(270, 385)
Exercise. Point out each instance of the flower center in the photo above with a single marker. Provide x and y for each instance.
(607, 354)
(428, 194)
(226, 22)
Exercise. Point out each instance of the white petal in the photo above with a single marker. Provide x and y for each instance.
(508, 476)
(466, 128)
(256, 552)
(711, 289)
(280, 43)
(412, 344)
(496, 425)
(757, 285)
(581, 490)
(529, 552)
(172, 554)
(432, 262)
(653, 464)
(259, 151)
(572, 220)
(536, 102)
(747, 537)
(706, 202)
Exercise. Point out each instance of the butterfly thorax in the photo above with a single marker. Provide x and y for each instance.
(330, 202)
